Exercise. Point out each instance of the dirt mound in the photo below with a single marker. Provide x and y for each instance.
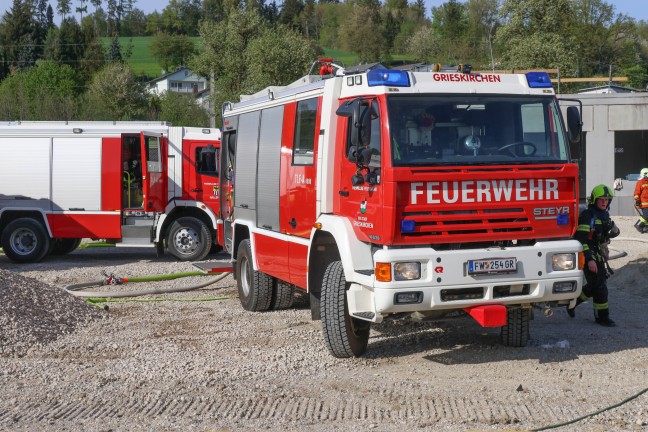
(33, 313)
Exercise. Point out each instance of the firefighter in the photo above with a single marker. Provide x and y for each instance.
(641, 201)
(595, 229)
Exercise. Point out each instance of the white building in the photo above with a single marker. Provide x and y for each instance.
(182, 80)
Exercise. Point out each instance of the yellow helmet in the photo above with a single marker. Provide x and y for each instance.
(601, 191)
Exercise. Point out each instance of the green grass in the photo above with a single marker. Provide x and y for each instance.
(141, 60)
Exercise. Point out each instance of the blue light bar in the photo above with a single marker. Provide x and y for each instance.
(538, 80)
(388, 77)
(407, 226)
(562, 219)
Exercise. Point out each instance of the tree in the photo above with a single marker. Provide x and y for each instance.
(289, 15)
(601, 38)
(115, 94)
(535, 34)
(181, 17)
(18, 35)
(63, 8)
(244, 54)
(424, 45)
(277, 56)
(134, 23)
(182, 109)
(114, 50)
(172, 51)
(361, 34)
(223, 53)
(44, 92)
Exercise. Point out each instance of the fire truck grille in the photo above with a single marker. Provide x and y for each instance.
(451, 224)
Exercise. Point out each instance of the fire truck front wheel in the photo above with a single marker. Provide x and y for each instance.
(254, 287)
(516, 331)
(344, 336)
(25, 240)
(188, 239)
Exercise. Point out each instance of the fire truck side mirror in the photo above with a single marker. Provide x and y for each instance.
(361, 132)
(574, 124)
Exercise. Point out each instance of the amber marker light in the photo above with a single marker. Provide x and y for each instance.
(383, 272)
(317, 225)
(581, 260)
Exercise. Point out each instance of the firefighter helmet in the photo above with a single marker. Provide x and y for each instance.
(644, 173)
(601, 191)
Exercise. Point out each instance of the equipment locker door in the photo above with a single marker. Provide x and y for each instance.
(298, 194)
(154, 178)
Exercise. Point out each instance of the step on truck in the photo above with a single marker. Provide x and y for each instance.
(387, 193)
(136, 184)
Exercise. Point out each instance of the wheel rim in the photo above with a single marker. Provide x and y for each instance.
(186, 240)
(23, 241)
(245, 277)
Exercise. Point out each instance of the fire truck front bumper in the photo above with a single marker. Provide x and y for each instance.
(464, 279)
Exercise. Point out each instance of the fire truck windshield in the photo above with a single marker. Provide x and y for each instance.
(475, 130)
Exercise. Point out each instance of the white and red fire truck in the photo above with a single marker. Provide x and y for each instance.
(384, 193)
(130, 183)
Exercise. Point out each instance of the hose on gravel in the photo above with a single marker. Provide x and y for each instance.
(622, 253)
(77, 289)
(592, 414)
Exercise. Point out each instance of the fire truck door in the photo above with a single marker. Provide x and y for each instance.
(298, 194)
(200, 171)
(360, 196)
(154, 178)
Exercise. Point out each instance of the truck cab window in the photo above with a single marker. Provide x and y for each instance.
(304, 145)
(206, 160)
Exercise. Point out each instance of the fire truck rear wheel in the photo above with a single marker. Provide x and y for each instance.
(188, 239)
(516, 331)
(254, 287)
(64, 246)
(282, 295)
(25, 240)
(344, 336)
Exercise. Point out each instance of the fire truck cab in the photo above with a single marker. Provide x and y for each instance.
(130, 183)
(387, 193)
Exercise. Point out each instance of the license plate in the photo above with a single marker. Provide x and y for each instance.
(492, 265)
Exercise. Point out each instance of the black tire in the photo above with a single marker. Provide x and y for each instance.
(282, 295)
(25, 240)
(344, 336)
(64, 246)
(254, 287)
(516, 331)
(188, 239)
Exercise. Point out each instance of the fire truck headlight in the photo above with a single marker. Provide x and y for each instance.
(563, 261)
(407, 271)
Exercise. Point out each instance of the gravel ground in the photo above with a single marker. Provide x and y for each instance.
(197, 361)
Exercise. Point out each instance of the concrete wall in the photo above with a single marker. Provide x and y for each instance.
(603, 115)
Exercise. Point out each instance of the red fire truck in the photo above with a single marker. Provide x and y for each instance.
(131, 183)
(387, 193)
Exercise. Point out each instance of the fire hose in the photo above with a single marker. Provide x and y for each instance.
(77, 290)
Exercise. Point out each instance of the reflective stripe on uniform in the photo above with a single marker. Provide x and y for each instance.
(584, 228)
(600, 306)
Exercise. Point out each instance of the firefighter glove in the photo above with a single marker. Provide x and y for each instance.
(637, 203)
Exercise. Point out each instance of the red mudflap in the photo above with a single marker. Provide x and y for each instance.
(488, 315)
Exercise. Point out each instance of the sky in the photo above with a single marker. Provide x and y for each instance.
(637, 9)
